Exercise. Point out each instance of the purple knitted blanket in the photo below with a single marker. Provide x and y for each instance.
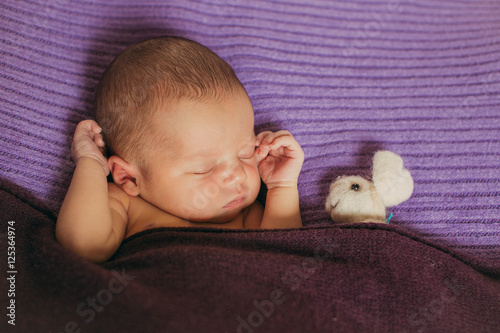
(347, 78)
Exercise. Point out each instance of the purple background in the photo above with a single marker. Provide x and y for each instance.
(347, 78)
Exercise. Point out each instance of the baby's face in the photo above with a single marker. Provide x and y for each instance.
(209, 173)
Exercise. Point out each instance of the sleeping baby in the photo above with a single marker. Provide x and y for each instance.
(178, 128)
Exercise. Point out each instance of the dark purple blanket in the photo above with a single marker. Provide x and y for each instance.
(358, 278)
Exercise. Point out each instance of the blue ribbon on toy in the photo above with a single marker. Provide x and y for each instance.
(389, 218)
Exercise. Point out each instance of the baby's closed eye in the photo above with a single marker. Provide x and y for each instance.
(204, 170)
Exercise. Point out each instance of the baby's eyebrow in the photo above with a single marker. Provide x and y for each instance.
(199, 153)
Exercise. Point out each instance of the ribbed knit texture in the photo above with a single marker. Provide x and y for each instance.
(347, 78)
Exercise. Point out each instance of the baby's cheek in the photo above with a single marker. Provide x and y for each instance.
(255, 165)
(254, 179)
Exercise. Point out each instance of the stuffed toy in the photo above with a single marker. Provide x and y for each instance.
(356, 199)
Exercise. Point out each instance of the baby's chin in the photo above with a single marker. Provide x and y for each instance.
(220, 219)
(225, 214)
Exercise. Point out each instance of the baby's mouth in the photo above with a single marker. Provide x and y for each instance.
(236, 202)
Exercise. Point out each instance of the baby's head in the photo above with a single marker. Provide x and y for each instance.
(178, 125)
(149, 78)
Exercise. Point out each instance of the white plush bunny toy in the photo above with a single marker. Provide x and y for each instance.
(356, 199)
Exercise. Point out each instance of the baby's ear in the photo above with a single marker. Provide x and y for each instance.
(124, 175)
(391, 179)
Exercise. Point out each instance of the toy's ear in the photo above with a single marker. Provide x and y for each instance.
(393, 182)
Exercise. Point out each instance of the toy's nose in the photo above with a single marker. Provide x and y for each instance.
(355, 187)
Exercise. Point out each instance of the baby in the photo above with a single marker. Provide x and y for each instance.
(178, 127)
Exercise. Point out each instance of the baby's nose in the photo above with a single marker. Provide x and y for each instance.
(233, 174)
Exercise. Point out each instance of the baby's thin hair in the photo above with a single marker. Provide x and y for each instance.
(149, 77)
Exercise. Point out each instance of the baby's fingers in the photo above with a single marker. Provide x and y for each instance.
(281, 138)
(268, 139)
(261, 137)
(88, 125)
(261, 152)
(99, 141)
(94, 127)
(285, 140)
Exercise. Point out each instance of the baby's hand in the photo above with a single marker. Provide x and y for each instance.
(88, 142)
(279, 157)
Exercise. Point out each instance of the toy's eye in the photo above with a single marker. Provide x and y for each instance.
(355, 187)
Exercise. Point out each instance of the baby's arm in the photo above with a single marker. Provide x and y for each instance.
(91, 222)
(280, 160)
